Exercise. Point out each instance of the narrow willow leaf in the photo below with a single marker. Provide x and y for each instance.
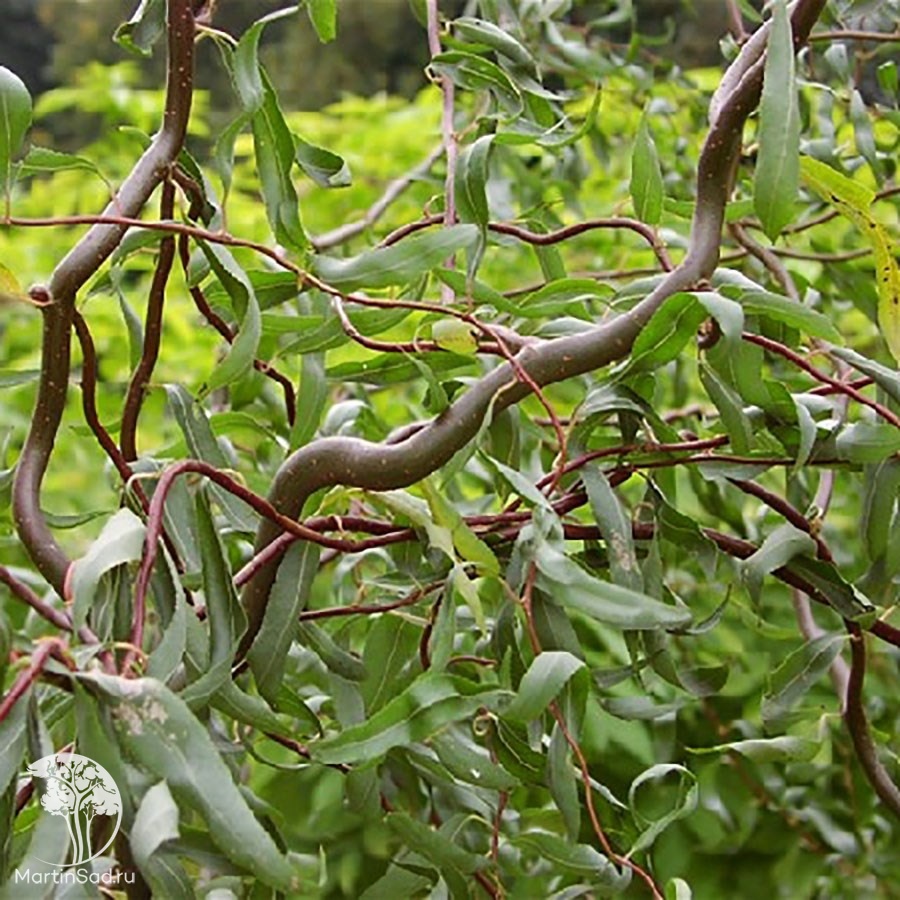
(430, 703)
(433, 845)
(777, 174)
(853, 200)
(326, 169)
(288, 597)
(160, 734)
(841, 595)
(789, 312)
(226, 621)
(275, 151)
(879, 502)
(335, 657)
(475, 73)
(670, 328)
(246, 69)
(121, 541)
(580, 858)
(323, 15)
(202, 444)
(466, 763)
(13, 742)
(144, 28)
(471, 181)
(155, 824)
(779, 548)
(867, 442)
(793, 679)
(646, 185)
(15, 119)
(577, 589)
(545, 678)
(862, 131)
(454, 335)
(781, 749)
(887, 379)
(481, 31)
(239, 358)
(395, 265)
(615, 526)
(562, 783)
(469, 546)
(684, 802)
(731, 409)
(44, 159)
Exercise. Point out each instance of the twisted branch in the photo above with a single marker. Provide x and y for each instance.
(358, 463)
(69, 276)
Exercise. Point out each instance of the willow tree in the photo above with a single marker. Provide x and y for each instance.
(489, 494)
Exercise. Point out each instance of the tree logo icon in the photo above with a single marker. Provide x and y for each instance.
(84, 793)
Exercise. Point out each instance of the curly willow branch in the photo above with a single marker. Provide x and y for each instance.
(71, 273)
(358, 463)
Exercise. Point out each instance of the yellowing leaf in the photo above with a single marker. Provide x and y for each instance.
(853, 200)
(454, 335)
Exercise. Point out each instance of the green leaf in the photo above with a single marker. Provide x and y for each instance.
(777, 176)
(731, 409)
(43, 159)
(467, 764)
(323, 15)
(472, 72)
(789, 312)
(646, 186)
(155, 823)
(287, 599)
(882, 490)
(13, 736)
(275, 151)
(793, 679)
(840, 594)
(15, 119)
(778, 549)
(225, 616)
(239, 358)
(670, 328)
(159, 733)
(562, 783)
(470, 547)
(429, 704)
(545, 678)
(202, 444)
(335, 657)
(684, 801)
(454, 335)
(121, 541)
(246, 70)
(481, 31)
(471, 180)
(398, 264)
(327, 169)
(781, 749)
(580, 858)
(577, 589)
(887, 379)
(433, 845)
(866, 442)
(144, 28)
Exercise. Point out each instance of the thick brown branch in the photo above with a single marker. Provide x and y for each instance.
(70, 274)
(358, 463)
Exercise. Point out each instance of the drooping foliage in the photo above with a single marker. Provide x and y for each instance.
(493, 493)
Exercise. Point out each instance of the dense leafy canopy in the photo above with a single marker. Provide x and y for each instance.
(493, 493)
